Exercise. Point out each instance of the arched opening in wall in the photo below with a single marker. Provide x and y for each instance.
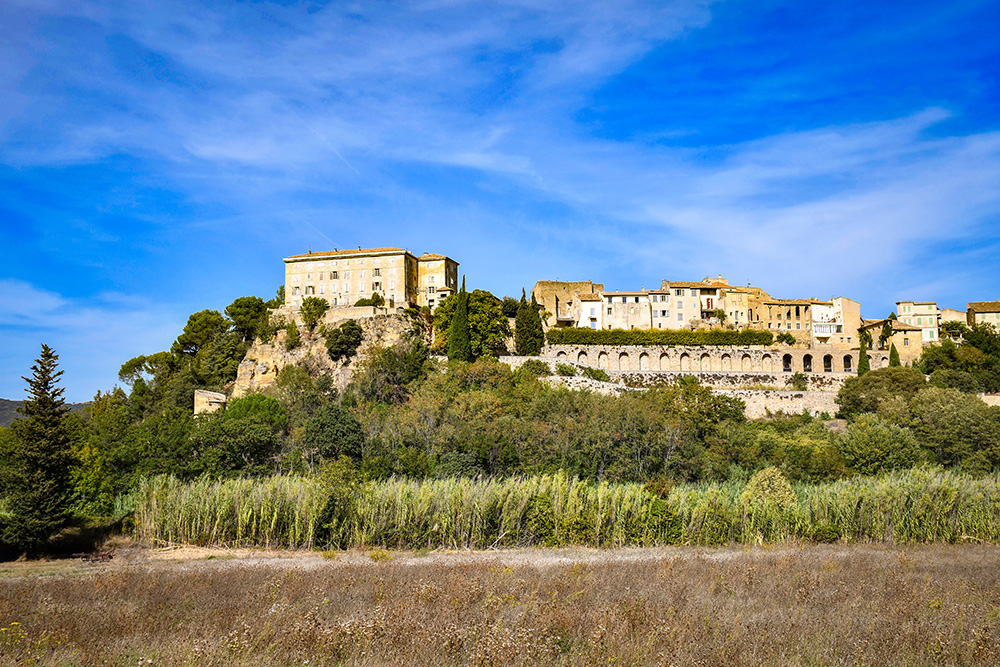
(786, 363)
(581, 358)
(602, 360)
(643, 362)
(664, 362)
(884, 362)
(828, 364)
(623, 362)
(766, 363)
(848, 363)
(561, 355)
(745, 363)
(727, 362)
(685, 362)
(807, 363)
(705, 364)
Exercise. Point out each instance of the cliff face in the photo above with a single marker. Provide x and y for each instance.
(262, 363)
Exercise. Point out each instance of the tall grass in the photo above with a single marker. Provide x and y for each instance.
(918, 505)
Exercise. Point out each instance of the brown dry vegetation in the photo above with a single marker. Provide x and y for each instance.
(791, 605)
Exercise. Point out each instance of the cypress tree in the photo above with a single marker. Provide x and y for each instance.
(522, 328)
(459, 344)
(536, 336)
(894, 356)
(39, 465)
(864, 365)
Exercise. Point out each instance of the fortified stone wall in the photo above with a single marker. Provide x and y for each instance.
(750, 358)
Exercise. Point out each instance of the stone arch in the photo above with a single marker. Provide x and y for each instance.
(582, 357)
(727, 362)
(807, 363)
(766, 363)
(828, 363)
(623, 362)
(602, 360)
(746, 363)
(848, 363)
(884, 362)
(644, 362)
(786, 363)
(705, 363)
(685, 362)
(561, 354)
(664, 362)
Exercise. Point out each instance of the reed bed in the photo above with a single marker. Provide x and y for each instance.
(922, 505)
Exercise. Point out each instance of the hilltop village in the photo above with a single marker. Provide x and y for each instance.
(814, 344)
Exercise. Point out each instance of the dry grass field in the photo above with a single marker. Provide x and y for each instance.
(786, 605)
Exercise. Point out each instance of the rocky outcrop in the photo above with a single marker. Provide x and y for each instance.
(263, 361)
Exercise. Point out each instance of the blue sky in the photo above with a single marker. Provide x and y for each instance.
(161, 158)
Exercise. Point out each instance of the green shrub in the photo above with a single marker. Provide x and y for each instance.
(669, 337)
(826, 532)
(596, 374)
(343, 341)
(534, 368)
(871, 445)
(565, 370)
(313, 309)
(785, 338)
(799, 381)
(292, 336)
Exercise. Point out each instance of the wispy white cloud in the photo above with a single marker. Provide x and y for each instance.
(408, 123)
(92, 338)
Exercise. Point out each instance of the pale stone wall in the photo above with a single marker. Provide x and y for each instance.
(990, 399)
(208, 401)
(761, 403)
(561, 298)
(751, 358)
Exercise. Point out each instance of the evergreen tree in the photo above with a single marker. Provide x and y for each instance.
(522, 328)
(536, 336)
(894, 356)
(459, 345)
(864, 365)
(39, 469)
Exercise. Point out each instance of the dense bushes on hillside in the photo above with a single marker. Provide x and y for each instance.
(671, 337)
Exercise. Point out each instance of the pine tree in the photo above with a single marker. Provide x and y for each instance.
(459, 345)
(894, 356)
(522, 328)
(864, 365)
(39, 481)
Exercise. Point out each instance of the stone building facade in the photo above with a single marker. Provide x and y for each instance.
(342, 277)
(979, 312)
(907, 338)
(562, 300)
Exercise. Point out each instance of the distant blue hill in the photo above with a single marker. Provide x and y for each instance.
(8, 410)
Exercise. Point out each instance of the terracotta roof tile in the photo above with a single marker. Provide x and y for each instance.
(338, 253)
(984, 306)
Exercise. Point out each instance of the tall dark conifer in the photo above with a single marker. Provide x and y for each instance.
(522, 328)
(864, 364)
(536, 335)
(459, 344)
(39, 491)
